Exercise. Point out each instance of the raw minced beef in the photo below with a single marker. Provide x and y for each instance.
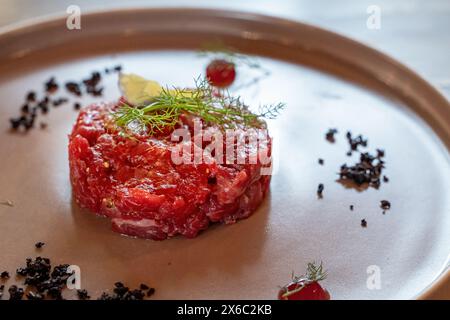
(133, 180)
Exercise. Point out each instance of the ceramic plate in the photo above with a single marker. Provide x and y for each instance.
(327, 81)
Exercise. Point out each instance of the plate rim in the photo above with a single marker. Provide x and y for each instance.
(35, 23)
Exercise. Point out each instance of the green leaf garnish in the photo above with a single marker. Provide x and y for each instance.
(164, 110)
(315, 272)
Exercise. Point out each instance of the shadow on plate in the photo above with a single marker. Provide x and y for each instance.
(225, 248)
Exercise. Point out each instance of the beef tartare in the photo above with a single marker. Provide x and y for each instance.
(132, 179)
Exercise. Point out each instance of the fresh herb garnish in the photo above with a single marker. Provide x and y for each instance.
(314, 274)
(218, 50)
(164, 111)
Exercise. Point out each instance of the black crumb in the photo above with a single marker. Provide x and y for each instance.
(59, 101)
(120, 288)
(380, 153)
(39, 244)
(368, 170)
(363, 223)
(320, 190)
(385, 179)
(15, 293)
(43, 125)
(143, 286)
(21, 272)
(51, 86)
(38, 273)
(96, 92)
(117, 68)
(330, 135)
(121, 292)
(321, 162)
(385, 205)
(83, 294)
(151, 292)
(43, 105)
(351, 207)
(73, 88)
(77, 106)
(33, 107)
(15, 123)
(25, 108)
(355, 142)
(41, 281)
(31, 96)
(92, 83)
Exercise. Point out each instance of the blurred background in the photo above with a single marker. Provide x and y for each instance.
(414, 32)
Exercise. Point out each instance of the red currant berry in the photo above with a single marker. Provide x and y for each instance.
(301, 291)
(221, 73)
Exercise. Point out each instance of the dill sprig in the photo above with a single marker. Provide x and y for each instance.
(164, 111)
(218, 50)
(314, 273)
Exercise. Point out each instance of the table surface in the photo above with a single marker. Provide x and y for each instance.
(413, 32)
